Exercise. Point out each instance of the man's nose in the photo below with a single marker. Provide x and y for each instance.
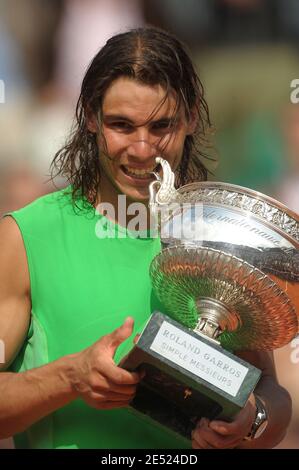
(142, 149)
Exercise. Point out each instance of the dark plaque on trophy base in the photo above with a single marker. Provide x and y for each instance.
(187, 376)
(227, 277)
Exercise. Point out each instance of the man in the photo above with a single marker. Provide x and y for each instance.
(64, 290)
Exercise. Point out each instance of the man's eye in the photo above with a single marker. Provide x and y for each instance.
(163, 125)
(124, 126)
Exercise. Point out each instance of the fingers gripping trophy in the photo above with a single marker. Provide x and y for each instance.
(227, 279)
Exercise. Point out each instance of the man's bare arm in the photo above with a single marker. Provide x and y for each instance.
(25, 397)
(15, 304)
(90, 374)
(276, 399)
(29, 396)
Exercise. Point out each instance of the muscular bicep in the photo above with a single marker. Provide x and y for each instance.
(15, 304)
(263, 360)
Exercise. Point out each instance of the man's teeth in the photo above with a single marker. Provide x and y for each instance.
(145, 172)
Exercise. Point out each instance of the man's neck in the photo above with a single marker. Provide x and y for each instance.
(118, 207)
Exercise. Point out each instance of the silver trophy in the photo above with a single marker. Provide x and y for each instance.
(227, 279)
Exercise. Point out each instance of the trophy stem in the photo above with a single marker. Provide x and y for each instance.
(215, 318)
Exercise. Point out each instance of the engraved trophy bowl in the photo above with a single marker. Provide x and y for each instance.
(229, 265)
(227, 279)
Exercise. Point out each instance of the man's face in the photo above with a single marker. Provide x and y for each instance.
(137, 126)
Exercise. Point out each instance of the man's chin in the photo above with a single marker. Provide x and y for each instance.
(136, 196)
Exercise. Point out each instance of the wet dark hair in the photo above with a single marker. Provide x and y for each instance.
(151, 56)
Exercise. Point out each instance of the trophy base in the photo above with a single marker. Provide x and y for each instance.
(186, 377)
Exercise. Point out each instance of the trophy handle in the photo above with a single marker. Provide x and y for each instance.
(162, 191)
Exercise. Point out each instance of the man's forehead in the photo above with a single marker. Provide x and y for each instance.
(128, 97)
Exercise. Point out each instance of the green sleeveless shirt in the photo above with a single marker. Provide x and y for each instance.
(83, 286)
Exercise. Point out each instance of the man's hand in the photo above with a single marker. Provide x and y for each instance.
(222, 435)
(97, 379)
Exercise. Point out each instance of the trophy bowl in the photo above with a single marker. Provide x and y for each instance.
(227, 279)
(233, 249)
(223, 296)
